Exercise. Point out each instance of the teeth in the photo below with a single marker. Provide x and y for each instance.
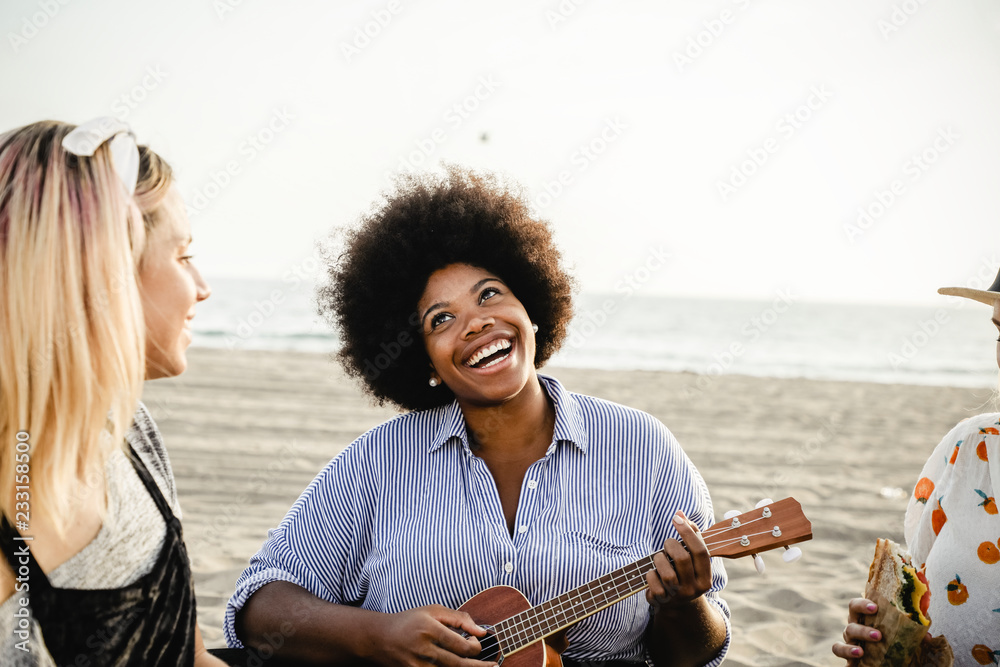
(494, 362)
(487, 351)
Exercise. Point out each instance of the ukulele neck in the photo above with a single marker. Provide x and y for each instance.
(560, 612)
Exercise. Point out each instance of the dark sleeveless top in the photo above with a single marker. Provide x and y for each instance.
(150, 622)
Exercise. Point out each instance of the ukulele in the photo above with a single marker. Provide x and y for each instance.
(515, 629)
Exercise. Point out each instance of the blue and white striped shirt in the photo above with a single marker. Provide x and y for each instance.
(410, 496)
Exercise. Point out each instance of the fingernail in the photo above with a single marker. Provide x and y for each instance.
(871, 607)
(856, 652)
(678, 517)
(875, 634)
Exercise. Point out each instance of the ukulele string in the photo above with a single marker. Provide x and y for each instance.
(490, 647)
(531, 627)
(731, 540)
(532, 623)
(717, 531)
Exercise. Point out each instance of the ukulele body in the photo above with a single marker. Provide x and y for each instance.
(494, 605)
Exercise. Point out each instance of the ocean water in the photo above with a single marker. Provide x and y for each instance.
(947, 344)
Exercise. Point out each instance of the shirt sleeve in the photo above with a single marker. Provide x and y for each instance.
(322, 542)
(679, 486)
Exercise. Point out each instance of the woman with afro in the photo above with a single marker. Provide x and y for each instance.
(448, 296)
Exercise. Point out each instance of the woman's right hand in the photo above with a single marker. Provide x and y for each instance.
(425, 636)
(855, 632)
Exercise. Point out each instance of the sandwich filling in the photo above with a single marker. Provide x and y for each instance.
(911, 594)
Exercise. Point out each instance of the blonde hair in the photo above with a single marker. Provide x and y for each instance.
(155, 179)
(72, 358)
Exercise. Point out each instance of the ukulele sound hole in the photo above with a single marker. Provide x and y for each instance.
(490, 645)
(491, 650)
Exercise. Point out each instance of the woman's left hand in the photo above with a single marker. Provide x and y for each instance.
(688, 576)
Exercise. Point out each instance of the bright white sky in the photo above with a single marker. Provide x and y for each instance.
(225, 71)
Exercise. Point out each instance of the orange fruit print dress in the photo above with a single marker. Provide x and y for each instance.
(953, 533)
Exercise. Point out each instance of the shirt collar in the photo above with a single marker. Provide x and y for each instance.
(570, 425)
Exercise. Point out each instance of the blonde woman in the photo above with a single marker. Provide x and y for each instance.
(96, 295)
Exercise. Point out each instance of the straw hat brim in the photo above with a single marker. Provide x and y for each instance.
(982, 296)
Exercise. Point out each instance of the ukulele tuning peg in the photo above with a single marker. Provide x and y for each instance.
(763, 503)
(758, 563)
(730, 514)
(791, 554)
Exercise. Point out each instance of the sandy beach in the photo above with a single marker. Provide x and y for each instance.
(247, 431)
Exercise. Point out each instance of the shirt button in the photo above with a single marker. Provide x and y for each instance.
(508, 567)
(522, 529)
(532, 483)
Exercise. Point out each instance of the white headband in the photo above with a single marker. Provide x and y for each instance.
(87, 138)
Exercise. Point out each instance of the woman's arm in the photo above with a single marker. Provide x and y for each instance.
(686, 628)
(690, 634)
(293, 623)
(202, 658)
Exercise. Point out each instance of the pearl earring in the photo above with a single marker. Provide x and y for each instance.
(534, 327)
(433, 382)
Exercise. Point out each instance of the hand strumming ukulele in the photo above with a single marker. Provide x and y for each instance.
(516, 629)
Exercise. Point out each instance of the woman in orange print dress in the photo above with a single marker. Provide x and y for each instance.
(952, 531)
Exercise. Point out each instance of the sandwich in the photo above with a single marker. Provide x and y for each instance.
(902, 596)
(892, 574)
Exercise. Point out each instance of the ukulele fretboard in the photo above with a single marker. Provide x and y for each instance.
(551, 616)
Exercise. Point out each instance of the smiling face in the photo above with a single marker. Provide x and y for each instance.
(477, 335)
(170, 286)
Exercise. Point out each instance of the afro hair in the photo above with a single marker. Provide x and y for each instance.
(426, 223)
